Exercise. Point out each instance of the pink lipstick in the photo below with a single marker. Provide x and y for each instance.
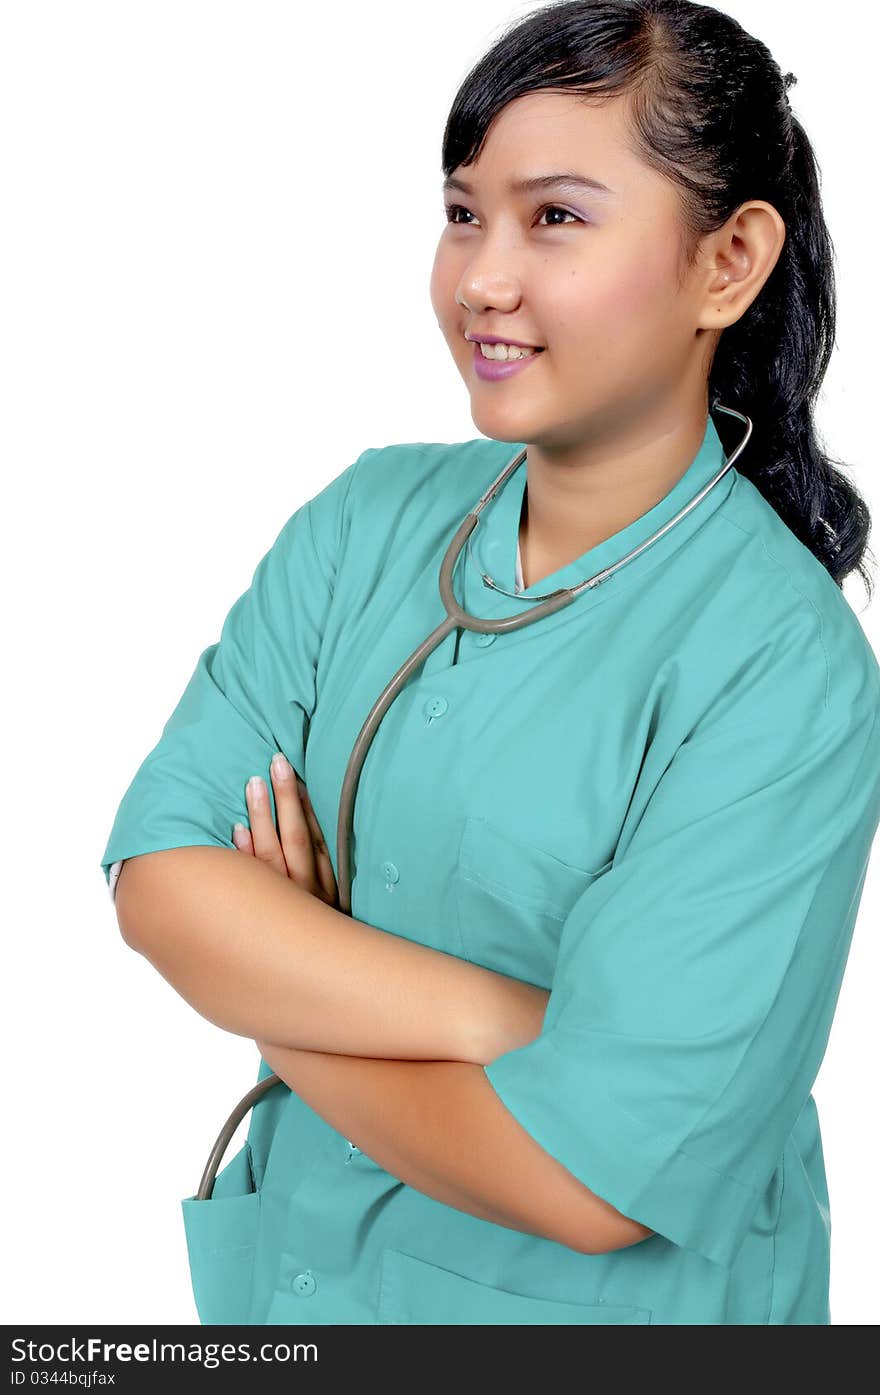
(492, 369)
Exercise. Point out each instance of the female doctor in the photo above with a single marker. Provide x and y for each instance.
(555, 1065)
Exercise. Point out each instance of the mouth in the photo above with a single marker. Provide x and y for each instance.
(498, 351)
(492, 369)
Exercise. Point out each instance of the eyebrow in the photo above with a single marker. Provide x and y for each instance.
(568, 179)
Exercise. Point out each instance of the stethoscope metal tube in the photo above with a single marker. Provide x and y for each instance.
(456, 617)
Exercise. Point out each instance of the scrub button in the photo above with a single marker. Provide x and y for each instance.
(485, 639)
(435, 707)
(304, 1284)
(390, 872)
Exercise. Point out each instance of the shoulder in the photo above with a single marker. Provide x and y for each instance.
(446, 472)
(389, 497)
(384, 481)
(784, 598)
(410, 494)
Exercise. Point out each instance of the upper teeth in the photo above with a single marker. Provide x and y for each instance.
(503, 351)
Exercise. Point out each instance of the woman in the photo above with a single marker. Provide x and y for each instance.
(555, 1066)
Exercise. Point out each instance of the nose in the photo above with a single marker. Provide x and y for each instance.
(479, 292)
(489, 278)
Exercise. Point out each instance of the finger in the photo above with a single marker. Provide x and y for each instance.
(293, 827)
(323, 860)
(241, 837)
(265, 839)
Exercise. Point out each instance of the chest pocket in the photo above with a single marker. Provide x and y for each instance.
(512, 898)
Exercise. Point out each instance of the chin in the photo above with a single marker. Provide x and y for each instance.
(505, 424)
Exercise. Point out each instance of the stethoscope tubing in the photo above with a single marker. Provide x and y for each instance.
(456, 617)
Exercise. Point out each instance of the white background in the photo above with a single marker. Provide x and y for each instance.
(217, 234)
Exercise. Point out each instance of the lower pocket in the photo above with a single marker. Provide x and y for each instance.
(221, 1238)
(414, 1291)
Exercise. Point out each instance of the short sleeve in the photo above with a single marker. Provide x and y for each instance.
(251, 693)
(697, 978)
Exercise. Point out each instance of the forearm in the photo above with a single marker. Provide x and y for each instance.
(439, 1127)
(259, 956)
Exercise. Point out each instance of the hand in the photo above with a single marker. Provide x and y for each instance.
(297, 848)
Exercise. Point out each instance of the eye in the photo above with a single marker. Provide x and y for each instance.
(452, 209)
(556, 209)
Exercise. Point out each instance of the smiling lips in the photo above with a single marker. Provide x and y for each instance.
(493, 369)
(503, 352)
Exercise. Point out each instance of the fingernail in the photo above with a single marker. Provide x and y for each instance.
(239, 834)
(256, 787)
(281, 766)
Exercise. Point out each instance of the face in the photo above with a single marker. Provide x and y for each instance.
(595, 277)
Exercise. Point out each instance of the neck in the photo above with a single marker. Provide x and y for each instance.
(572, 504)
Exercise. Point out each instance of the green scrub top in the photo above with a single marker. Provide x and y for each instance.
(658, 803)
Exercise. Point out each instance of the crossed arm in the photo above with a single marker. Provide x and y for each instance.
(383, 1037)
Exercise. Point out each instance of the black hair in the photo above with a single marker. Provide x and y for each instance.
(710, 111)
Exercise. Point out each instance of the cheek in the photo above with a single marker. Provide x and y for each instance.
(646, 284)
(444, 278)
(616, 302)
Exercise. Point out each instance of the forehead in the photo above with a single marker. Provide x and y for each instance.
(555, 131)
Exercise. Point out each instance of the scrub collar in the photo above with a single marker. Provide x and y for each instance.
(495, 540)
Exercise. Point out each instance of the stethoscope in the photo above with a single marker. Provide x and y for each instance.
(456, 617)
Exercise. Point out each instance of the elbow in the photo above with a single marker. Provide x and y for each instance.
(622, 1235)
(128, 902)
(578, 1218)
(611, 1231)
(159, 893)
(144, 898)
(554, 1202)
(595, 1227)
